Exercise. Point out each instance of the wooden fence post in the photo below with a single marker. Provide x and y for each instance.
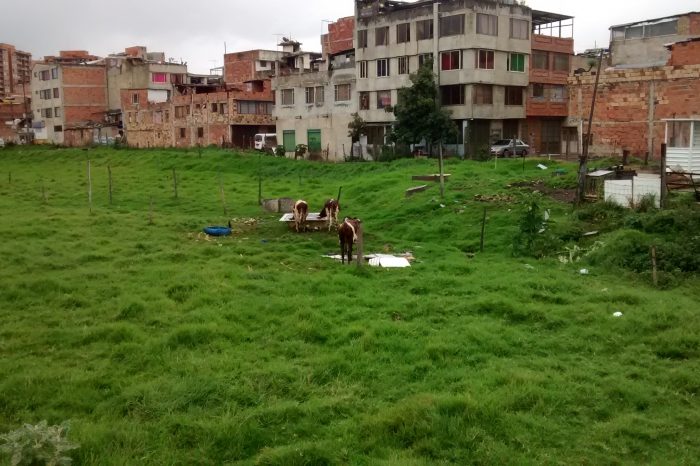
(89, 175)
(483, 231)
(654, 271)
(664, 187)
(223, 195)
(360, 246)
(109, 173)
(175, 183)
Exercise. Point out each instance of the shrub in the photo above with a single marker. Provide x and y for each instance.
(38, 444)
(534, 238)
(280, 151)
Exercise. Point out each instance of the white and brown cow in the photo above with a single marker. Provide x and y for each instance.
(347, 234)
(300, 212)
(330, 211)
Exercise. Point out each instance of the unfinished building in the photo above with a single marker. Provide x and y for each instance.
(15, 95)
(69, 102)
(316, 95)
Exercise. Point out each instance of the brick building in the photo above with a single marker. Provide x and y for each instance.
(15, 70)
(633, 104)
(547, 95)
(69, 103)
(198, 114)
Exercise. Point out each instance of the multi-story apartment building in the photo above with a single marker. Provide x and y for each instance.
(480, 53)
(69, 99)
(547, 98)
(316, 95)
(15, 71)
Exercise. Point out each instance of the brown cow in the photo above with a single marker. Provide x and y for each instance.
(347, 234)
(300, 212)
(330, 211)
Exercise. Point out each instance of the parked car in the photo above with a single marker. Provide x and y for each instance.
(266, 142)
(505, 148)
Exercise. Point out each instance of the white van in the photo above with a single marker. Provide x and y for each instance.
(266, 142)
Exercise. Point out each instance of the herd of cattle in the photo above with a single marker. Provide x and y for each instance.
(347, 231)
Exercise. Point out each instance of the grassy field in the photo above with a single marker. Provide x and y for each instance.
(163, 348)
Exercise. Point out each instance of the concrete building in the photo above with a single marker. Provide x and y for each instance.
(642, 43)
(69, 99)
(15, 71)
(634, 105)
(547, 96)
(480, 51)
(316, 95)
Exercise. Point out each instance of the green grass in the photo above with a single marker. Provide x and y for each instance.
(163, 348)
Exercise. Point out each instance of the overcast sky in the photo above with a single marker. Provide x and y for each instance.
(195, 31)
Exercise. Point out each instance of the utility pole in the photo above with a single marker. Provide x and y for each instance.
(583, 162)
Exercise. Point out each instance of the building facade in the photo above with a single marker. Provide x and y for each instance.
(547, 108)
(69, 99)
(316, 95)
(15, 71)
(480, 52)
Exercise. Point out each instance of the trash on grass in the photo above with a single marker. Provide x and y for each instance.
(584, 272)
(542, 167)
(618, 314)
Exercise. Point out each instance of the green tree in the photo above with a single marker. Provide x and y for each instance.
(356, 128)
(418, 113)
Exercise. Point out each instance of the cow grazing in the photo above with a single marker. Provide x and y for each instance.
(330, 211)
(347, 234)
(300, 212)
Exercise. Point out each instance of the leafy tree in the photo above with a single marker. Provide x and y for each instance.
(418, 112)
(356, 128)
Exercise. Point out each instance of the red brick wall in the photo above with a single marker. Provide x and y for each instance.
(685, 53)
(340, 36)
(622, 113)
(84, 96)
(240, 66)
(84, 75)
(695, 24)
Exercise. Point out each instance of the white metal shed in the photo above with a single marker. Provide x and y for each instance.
(683, 144)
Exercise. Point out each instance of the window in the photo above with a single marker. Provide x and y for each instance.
(516, 62)
(223, 109)
(364, 100)
(487, 24)
(403, 65)
(452, 95)
(540, 60)
(254, 108)
(45, 75)
(558, 93)
(57, 129)
(177, 79)
(679, 134)
(383, 99)
(134, 98)
(403, 33)
(214, 107)
(342, 92)
(159, 78)
(320, 95)
(55, 93)
(364, 69)
(200, 133)
(451, 60)
(485, 59)
(667, 28)
(362, 39)
(287, 96)
(519, 29)
(561, 62)
(424, 29)
(382, 67)
(483, 94)
(424, 59)
(538, 91)
(57, 112)
(514, 95)
(381, 36)
(183, 133)
(310, 95)
(158, 117)
(45, 94)
(182, 111)
(47, 113)
(451, 25)
(54, 73)
(167, 116)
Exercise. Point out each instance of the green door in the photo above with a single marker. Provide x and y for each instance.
(314, 141)
(289, 141)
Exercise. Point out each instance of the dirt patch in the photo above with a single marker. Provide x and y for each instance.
(559, 194)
